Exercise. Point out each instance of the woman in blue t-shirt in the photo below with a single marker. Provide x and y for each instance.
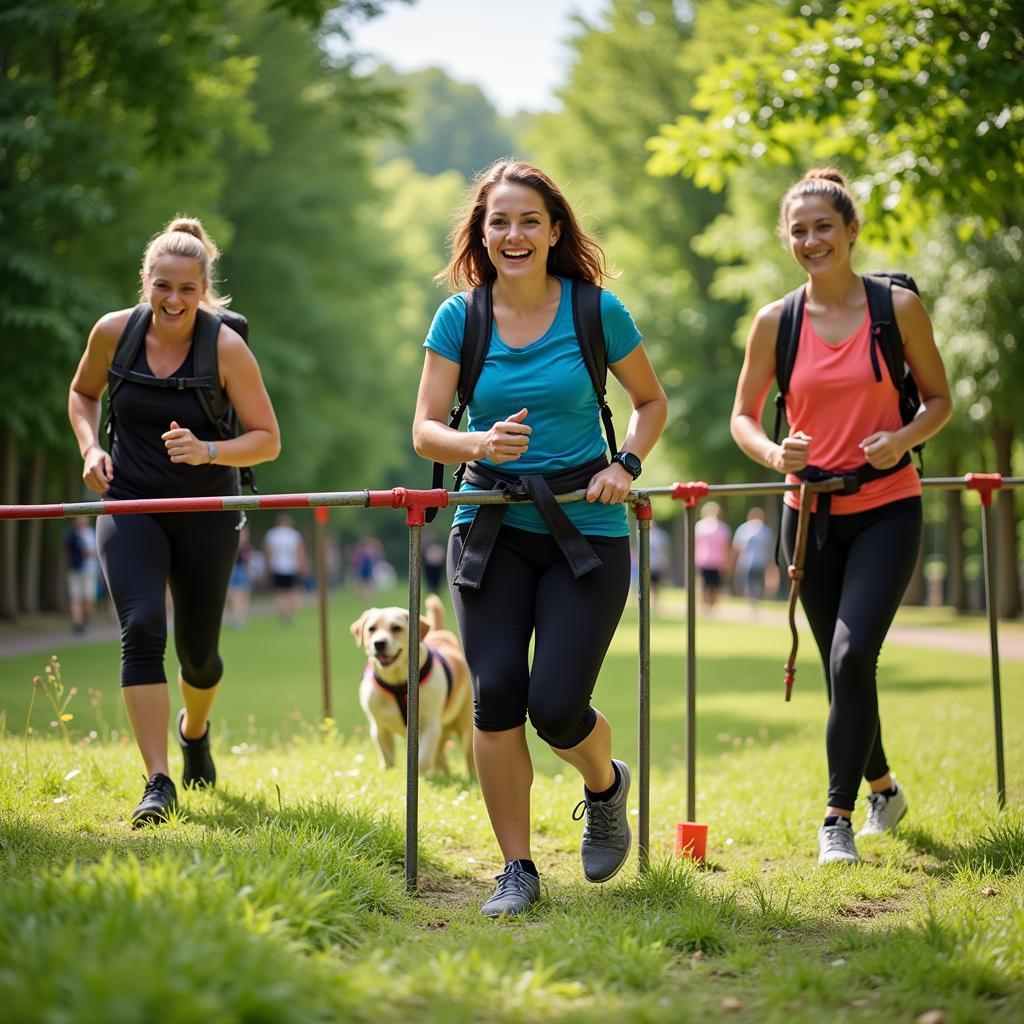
(557, 574)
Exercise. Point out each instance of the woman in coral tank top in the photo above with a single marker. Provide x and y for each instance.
(842, 418)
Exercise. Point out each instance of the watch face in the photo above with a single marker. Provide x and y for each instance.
(629, 462)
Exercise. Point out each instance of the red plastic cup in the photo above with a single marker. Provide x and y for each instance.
(691, 840)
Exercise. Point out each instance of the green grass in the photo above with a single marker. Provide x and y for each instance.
(280, 897)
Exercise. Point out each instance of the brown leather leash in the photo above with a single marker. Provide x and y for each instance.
(796, 569)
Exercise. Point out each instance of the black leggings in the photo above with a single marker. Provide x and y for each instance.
(140, 555)
(529, 590)
(851, 590)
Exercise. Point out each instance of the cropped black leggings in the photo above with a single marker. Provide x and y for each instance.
(140, 555)
(529, 590)
(851, 590)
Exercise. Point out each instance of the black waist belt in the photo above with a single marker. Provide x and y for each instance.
(539, 489)
(852, 483)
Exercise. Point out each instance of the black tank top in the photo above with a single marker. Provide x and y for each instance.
(142, 468)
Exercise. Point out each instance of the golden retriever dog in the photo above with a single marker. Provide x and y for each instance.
(446, 699)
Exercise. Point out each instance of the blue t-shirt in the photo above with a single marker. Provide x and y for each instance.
(548, 377)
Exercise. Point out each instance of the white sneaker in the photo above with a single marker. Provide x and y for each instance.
(835, 844)
(884, 812)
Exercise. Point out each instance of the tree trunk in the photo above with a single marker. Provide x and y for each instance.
(1008, 598)
(65, 485)
(30, 538)
(8, 528)
(915, 588)
(956, 585)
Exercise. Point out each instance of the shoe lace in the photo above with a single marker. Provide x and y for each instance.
(839, 838)
(512, 878)
(156, 784)
(876, 802)
(602, 822)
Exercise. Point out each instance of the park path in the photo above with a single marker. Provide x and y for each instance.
(955, 639)
(50, 633)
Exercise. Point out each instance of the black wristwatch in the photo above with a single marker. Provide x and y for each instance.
(629, 462)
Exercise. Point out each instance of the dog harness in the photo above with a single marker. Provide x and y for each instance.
(400, 691)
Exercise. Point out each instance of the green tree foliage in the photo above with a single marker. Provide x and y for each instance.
(624, 82)
(308, 263)
(925, 97)
(448, 125)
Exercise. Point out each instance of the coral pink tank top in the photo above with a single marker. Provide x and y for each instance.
(834, 398)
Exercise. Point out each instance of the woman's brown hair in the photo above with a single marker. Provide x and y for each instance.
(574, 255)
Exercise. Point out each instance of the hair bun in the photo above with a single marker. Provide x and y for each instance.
(192, 226)
(826, 173)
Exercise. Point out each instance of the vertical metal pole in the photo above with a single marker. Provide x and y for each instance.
(691, 663)
(990, 606)
(320, 514)
(642, 509)
(414, 520)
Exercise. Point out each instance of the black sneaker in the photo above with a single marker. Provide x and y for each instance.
(158, 801)
(199, 769)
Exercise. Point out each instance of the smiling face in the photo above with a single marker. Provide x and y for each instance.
(517, 231)
(174, 288)
(819, 239)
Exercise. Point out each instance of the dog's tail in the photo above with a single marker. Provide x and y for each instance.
(435, 612)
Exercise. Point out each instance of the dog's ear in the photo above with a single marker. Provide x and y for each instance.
(424, 627)
(356, 629)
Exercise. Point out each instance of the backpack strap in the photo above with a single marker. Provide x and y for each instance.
(786, 342)
(132, 339)
(885, 331)
(586, 319)
(886, 338)
(476, 340)
(212, 397)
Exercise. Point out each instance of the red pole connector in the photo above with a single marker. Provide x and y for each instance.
(643, 510)
(690, 493)
(984, 484)
(404, 497)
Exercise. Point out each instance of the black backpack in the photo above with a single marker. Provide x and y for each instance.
(213, 399)
(885, 336)
(476, 340)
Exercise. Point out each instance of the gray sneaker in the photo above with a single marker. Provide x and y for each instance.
(884, 812)
(606, 835)
(835, 844)
(516, 892)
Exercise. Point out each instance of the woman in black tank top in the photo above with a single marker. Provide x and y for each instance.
(164, 446)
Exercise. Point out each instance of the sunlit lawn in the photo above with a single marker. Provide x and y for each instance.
(280, 897)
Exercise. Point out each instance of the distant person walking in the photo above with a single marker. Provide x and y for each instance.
(83, 569)
(754, 545)
(163, 445)
(844, 418)
(240, 583)
(660, 547)
(711, 552)
(434, 557)
(285, 551)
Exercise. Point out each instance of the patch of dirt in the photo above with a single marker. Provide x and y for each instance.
(868, 909)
